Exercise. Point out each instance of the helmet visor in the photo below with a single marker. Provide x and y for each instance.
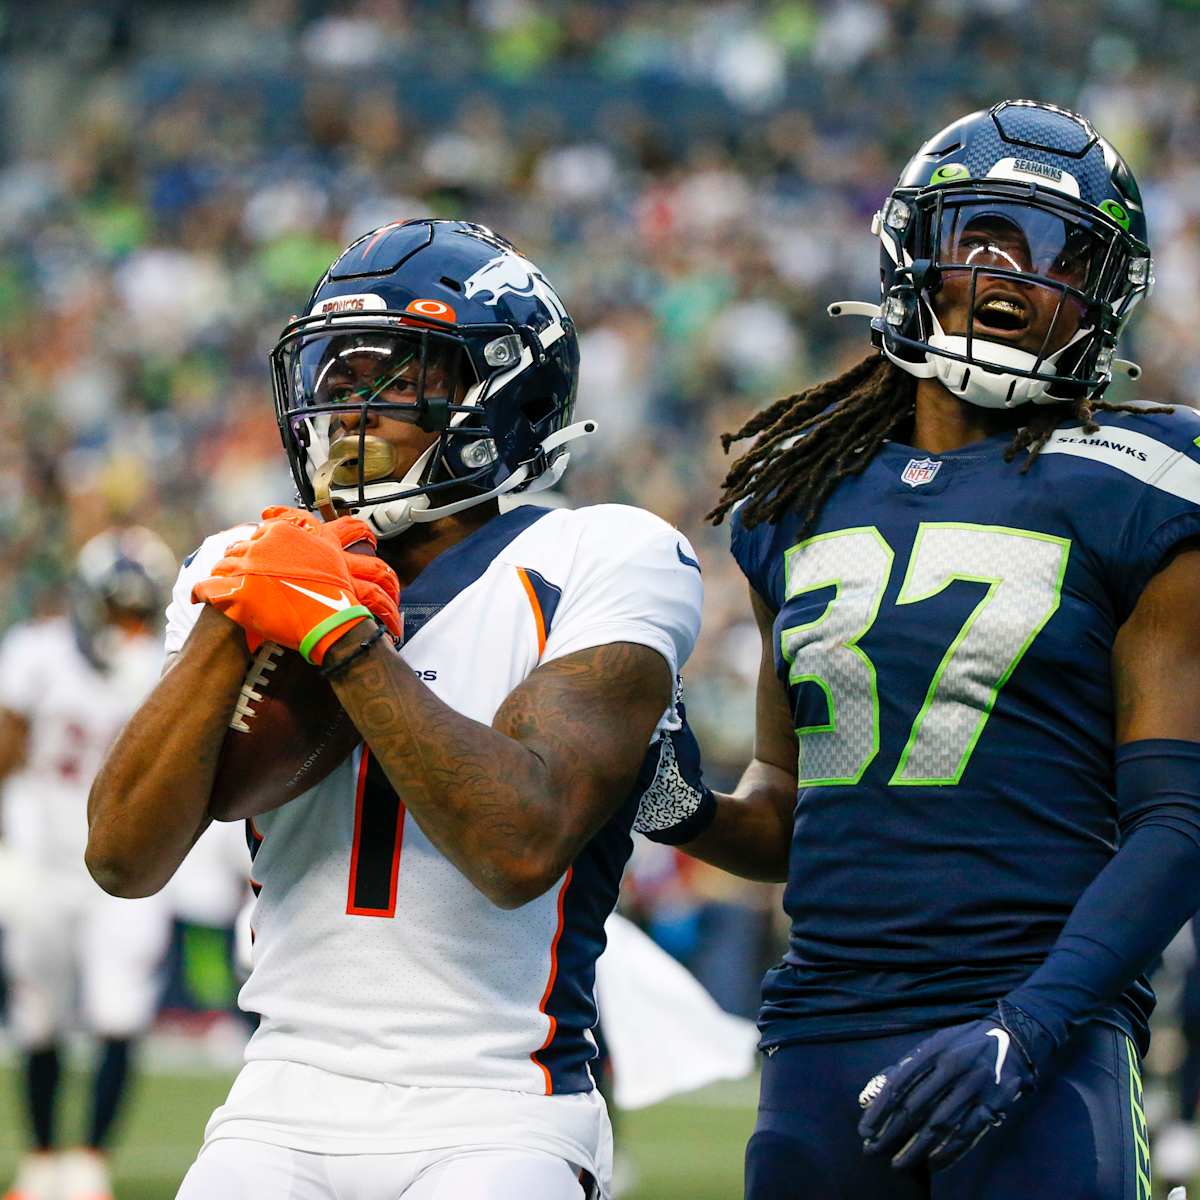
(407, 376)
(1022, 238)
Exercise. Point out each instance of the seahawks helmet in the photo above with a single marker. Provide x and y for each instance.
(124, 572)
(446, 325)
(1018, 197)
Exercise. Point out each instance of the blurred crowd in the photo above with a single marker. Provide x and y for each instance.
(696, 179)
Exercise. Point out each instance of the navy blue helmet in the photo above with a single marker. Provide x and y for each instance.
(489, 360)
(1031, 195)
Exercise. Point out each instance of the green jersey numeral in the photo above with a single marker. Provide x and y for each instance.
(1024, 573)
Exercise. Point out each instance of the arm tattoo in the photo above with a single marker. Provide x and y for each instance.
(557, 761)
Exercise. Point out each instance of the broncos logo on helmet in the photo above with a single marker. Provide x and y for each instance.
(511, 274)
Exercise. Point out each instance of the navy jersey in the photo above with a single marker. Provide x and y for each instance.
(945, 634)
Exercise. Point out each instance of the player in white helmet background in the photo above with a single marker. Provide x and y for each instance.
(75, 957)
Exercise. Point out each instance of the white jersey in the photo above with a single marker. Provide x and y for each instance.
(374, 958)
(74, 711)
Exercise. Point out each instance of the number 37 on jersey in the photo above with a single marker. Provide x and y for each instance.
(1022, 573)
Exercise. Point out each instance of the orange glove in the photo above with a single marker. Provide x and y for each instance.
(375, 583)
(286, 584)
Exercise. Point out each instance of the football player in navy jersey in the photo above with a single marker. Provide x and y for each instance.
(977, 762)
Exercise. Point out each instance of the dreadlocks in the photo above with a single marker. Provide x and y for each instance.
(808, 443)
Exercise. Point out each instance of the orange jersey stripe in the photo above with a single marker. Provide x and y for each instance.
(538, 620)
(562, 896)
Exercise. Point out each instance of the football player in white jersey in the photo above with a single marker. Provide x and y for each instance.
(431, 912)
(67, 685)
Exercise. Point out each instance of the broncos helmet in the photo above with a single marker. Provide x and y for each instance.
(1023, 192)
(487, 355)
(120, 572)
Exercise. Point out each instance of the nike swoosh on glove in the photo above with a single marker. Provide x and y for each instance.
(674, 804)
(375, 583)
(937, 1102)
(286, 584)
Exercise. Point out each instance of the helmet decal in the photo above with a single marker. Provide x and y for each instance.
(949, 172)
(436, 310)
(1116, 211)
(510, 274)
(349, 304)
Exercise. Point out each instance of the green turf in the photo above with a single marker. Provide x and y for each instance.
(688, 1149)
(162, 1128)
(679, 1151)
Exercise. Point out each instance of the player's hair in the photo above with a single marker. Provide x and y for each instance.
(807, 443)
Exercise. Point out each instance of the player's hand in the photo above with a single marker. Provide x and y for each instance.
(286, 584)
(675, 804)
(375, 583)
(937, 1102)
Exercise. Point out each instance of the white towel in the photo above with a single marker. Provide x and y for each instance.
(665, 1033)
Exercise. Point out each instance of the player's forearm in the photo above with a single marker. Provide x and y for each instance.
(751, 833)
(1141, 899)
(1118, 927)
(149, 801)
(483, 798)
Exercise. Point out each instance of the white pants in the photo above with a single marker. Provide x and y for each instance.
(239, 1169)
(83, 957)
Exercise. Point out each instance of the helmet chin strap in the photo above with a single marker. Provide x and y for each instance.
(389, 518)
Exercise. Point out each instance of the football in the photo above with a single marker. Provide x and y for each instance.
(287, 732)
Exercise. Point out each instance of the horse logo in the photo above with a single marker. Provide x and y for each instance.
(510, 274)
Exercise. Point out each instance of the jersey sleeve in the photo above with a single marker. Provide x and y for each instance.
(1166, 514)
(20, 671)
(181, 612)
(755, 551)
(634, 579)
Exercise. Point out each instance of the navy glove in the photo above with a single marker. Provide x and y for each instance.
(674, 805)
(937, 1102)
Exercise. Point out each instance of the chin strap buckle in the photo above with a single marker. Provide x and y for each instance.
(853, 308)
(1124, 367)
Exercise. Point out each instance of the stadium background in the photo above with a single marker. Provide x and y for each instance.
(697, 180)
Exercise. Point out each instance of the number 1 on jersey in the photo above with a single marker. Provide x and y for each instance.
(378, 839)
(1024, 572)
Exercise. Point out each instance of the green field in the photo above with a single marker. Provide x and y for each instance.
(682, 1150)
(686, 1149)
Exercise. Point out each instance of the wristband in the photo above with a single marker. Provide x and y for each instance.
(356, 612)
(363, 647)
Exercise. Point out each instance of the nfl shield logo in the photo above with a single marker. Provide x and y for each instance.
(919, 471)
